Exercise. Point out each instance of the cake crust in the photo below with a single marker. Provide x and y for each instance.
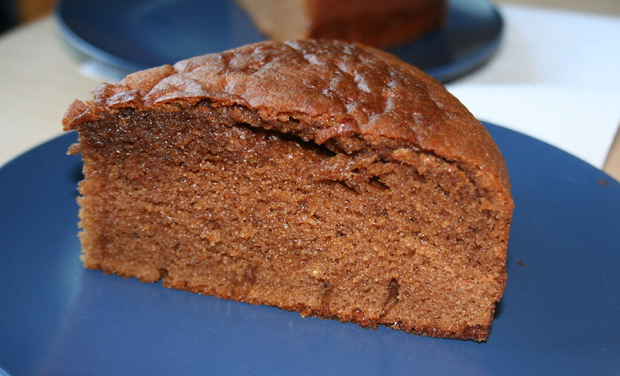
(355, 90)
(362, 131)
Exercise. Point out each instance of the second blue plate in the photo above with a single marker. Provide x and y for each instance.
(139, 34)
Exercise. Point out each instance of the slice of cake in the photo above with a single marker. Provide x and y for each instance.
(326, 178)
(378, 23)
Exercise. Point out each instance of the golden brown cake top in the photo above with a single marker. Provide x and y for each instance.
(348, 92)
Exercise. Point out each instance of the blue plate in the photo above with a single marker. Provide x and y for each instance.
(560, 314)
(139, 34)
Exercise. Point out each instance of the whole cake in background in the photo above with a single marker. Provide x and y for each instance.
(321, 177)
(378, 23)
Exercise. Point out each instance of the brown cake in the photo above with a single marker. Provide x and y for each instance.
(378, 23)
(326, 178)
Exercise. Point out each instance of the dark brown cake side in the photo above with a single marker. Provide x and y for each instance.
(378, 23)
(321, 177)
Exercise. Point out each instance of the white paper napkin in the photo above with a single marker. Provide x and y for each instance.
(556, 77)
(580, 120)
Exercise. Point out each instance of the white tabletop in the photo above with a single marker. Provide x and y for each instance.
(555, 77)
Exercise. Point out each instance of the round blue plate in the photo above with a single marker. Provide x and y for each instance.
(139, 34)
(560, 314)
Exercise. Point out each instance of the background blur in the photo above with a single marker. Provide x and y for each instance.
(16, 12)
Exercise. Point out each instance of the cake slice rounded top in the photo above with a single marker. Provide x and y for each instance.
(351, 94)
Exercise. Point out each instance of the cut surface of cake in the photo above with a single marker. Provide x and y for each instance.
(377, 23)
(321, 177)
